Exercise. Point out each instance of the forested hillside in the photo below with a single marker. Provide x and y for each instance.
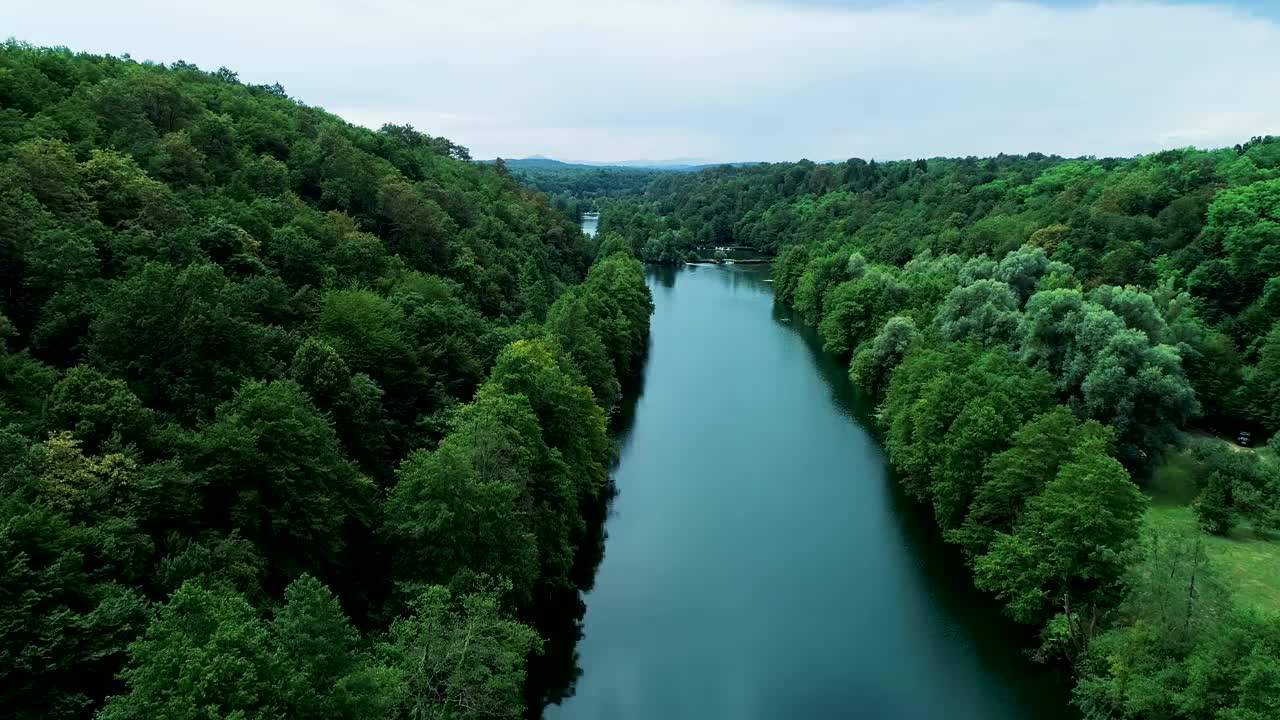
(1043, 337)
(297, 419)
(575, 189)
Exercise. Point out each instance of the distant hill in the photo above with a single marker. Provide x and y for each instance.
(675, 165)
(575, 187)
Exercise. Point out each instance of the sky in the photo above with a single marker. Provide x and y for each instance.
(728, 80)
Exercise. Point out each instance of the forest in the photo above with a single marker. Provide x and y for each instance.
(301, 419)
(577, 189)
(1061, 353)
(297, 419)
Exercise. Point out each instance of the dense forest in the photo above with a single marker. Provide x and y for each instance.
(1055, 347)
(297, 419)
(577, 189)
(581, 182)
(300, 419)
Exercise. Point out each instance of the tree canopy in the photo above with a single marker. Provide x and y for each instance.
(297, 419)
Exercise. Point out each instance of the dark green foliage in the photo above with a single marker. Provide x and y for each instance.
(205, 651)
(950, 407)
(325, 673)
(575, 322)
(1106, 369)
(353, 402)
(577, 189)
(856, 308)
(197, 329)
(1261, 389)
(97, 409)
(65, 619)
(1213, 506)
(986, 311)
(24, 384)
(271, 470)
(209, 652)
(226, 318)
(617, 280)
(465, 507)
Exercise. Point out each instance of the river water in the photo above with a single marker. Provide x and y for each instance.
(759, 561)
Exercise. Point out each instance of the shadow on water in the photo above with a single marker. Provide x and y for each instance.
(553, 674)
(1000, 643)
(664, 276)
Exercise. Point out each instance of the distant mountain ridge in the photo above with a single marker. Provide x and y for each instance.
(675, 165)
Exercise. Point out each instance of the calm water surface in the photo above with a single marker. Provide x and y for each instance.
(759, 562)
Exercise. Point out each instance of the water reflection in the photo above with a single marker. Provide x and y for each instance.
(553, 673)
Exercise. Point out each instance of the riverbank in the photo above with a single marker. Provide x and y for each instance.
(759, 561)
(744, 261)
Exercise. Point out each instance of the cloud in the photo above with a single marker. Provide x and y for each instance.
(727, 79)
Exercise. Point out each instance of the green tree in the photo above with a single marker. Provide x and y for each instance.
(97, 409)
(1108, 371)
(183, 338)
(822, 274)
(985, 310)
(24, 384)
(574, 322)
(1021, 269)
(353, 402)
(855, 308)
(272, 470)
(67, 613)
(324, 673)
(458, 657)
(1246, 222)
(1261, 388)
(618, 281)
(463, 509)
(874, 362)
(947, 409)
(1136, 308)
(1175, 602)
(1012, 477)
(571, 421)
(206, 652)
(1214, 508)
(1067, 553)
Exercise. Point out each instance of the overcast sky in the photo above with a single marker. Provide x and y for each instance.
(726, 80)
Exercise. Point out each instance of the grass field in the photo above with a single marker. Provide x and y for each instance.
(1249, 562)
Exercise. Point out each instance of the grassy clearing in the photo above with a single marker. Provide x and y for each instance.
(1249, 560)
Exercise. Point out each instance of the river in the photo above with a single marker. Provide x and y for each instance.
(759, 562)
